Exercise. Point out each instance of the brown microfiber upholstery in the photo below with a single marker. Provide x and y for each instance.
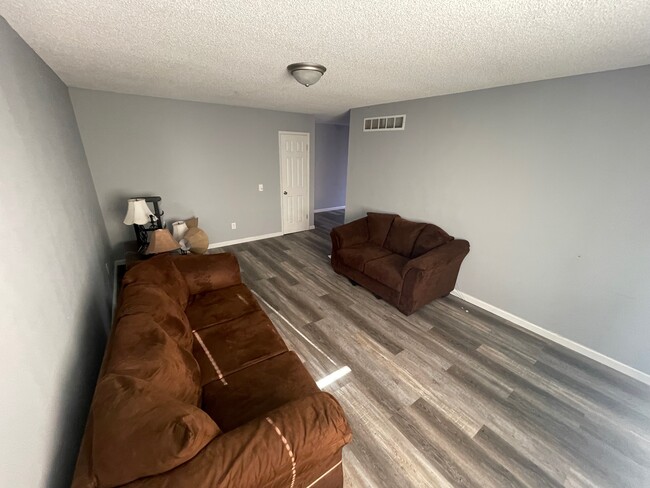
(402, 236)
(142, 349)
(431, 237)
(144, 429)
(387, 270)
(432, 275)
(254, 456)
(150, 300)
(140, 431)
(161, 272)
(256, 390)
(222, 305)
(357, 256)
(351, 234)
(237, 344)
(418, 262)
(208, 272)
(378, 227)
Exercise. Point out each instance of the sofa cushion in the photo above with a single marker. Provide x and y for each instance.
(160, 271)
(256, 390)
(140, 431)
(431, 237)
(142, 349)
(387, 270)
(357, 256)
(151, 300)
(378, 227)
(218, 306)
(402, 236)
(236, 344)
(207, 272)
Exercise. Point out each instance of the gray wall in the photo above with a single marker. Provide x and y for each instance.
(54, 292)
(331, 165)
(202, 159)
(550, 183)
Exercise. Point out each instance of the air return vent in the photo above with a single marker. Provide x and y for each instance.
(385, 122)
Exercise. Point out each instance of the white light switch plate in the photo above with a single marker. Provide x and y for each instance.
(233, 226)
(260, 187)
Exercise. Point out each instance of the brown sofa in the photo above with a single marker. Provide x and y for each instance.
(406, 263)
(198, 389)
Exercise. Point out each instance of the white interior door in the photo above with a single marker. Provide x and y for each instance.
(294, 181)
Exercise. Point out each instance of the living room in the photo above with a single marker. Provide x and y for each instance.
(514, 133)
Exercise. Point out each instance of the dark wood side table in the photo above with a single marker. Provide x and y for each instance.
(132, 256)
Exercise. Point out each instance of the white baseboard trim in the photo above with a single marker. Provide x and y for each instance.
(557, 338)
(245, 239)
(312, 227)
(329, 209)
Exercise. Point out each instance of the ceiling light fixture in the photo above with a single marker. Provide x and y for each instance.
(306, 73)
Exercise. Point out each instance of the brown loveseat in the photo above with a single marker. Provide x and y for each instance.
(198, 390)
(406, 263)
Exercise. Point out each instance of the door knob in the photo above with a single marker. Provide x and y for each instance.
(284, 192)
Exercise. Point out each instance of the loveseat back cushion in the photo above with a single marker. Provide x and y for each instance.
(160, 271)
(378, 227)
(140, 431)
(153, 301)
(402, 236)
(431, 237)
(142, 349)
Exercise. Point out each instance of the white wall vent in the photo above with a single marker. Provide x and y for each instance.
(385, 122)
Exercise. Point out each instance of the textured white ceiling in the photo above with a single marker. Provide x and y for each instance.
(235, 52)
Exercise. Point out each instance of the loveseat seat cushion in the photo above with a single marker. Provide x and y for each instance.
(378, 227)
(235, 344)
(256, 390)
(151, 300)
(402, 236)
(431, 237)
(142, 349)
(160, 271)
(218, 306)
(140, 431)
(357, 256)
(387, 270)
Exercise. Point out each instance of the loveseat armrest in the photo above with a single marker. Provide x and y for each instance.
(439, 256)
(355, 232)
(208, 272)
(292, 440)
(432, 275)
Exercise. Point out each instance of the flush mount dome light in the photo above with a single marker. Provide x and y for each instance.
(306, 73)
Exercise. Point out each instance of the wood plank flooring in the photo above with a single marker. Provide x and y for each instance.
(451, 396)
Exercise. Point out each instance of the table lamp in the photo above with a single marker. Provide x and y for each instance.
(138, 214)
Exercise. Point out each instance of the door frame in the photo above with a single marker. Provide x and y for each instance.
(288, 132)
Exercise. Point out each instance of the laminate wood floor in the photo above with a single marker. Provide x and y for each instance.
(451, 396)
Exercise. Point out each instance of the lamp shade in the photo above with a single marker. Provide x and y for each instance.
(307, 77)
(179, 229)
(138, 212)
(161, 241)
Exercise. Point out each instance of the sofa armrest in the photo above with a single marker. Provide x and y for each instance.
(208, 272)
(438, 257)
(355, 232)
(255, 453)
